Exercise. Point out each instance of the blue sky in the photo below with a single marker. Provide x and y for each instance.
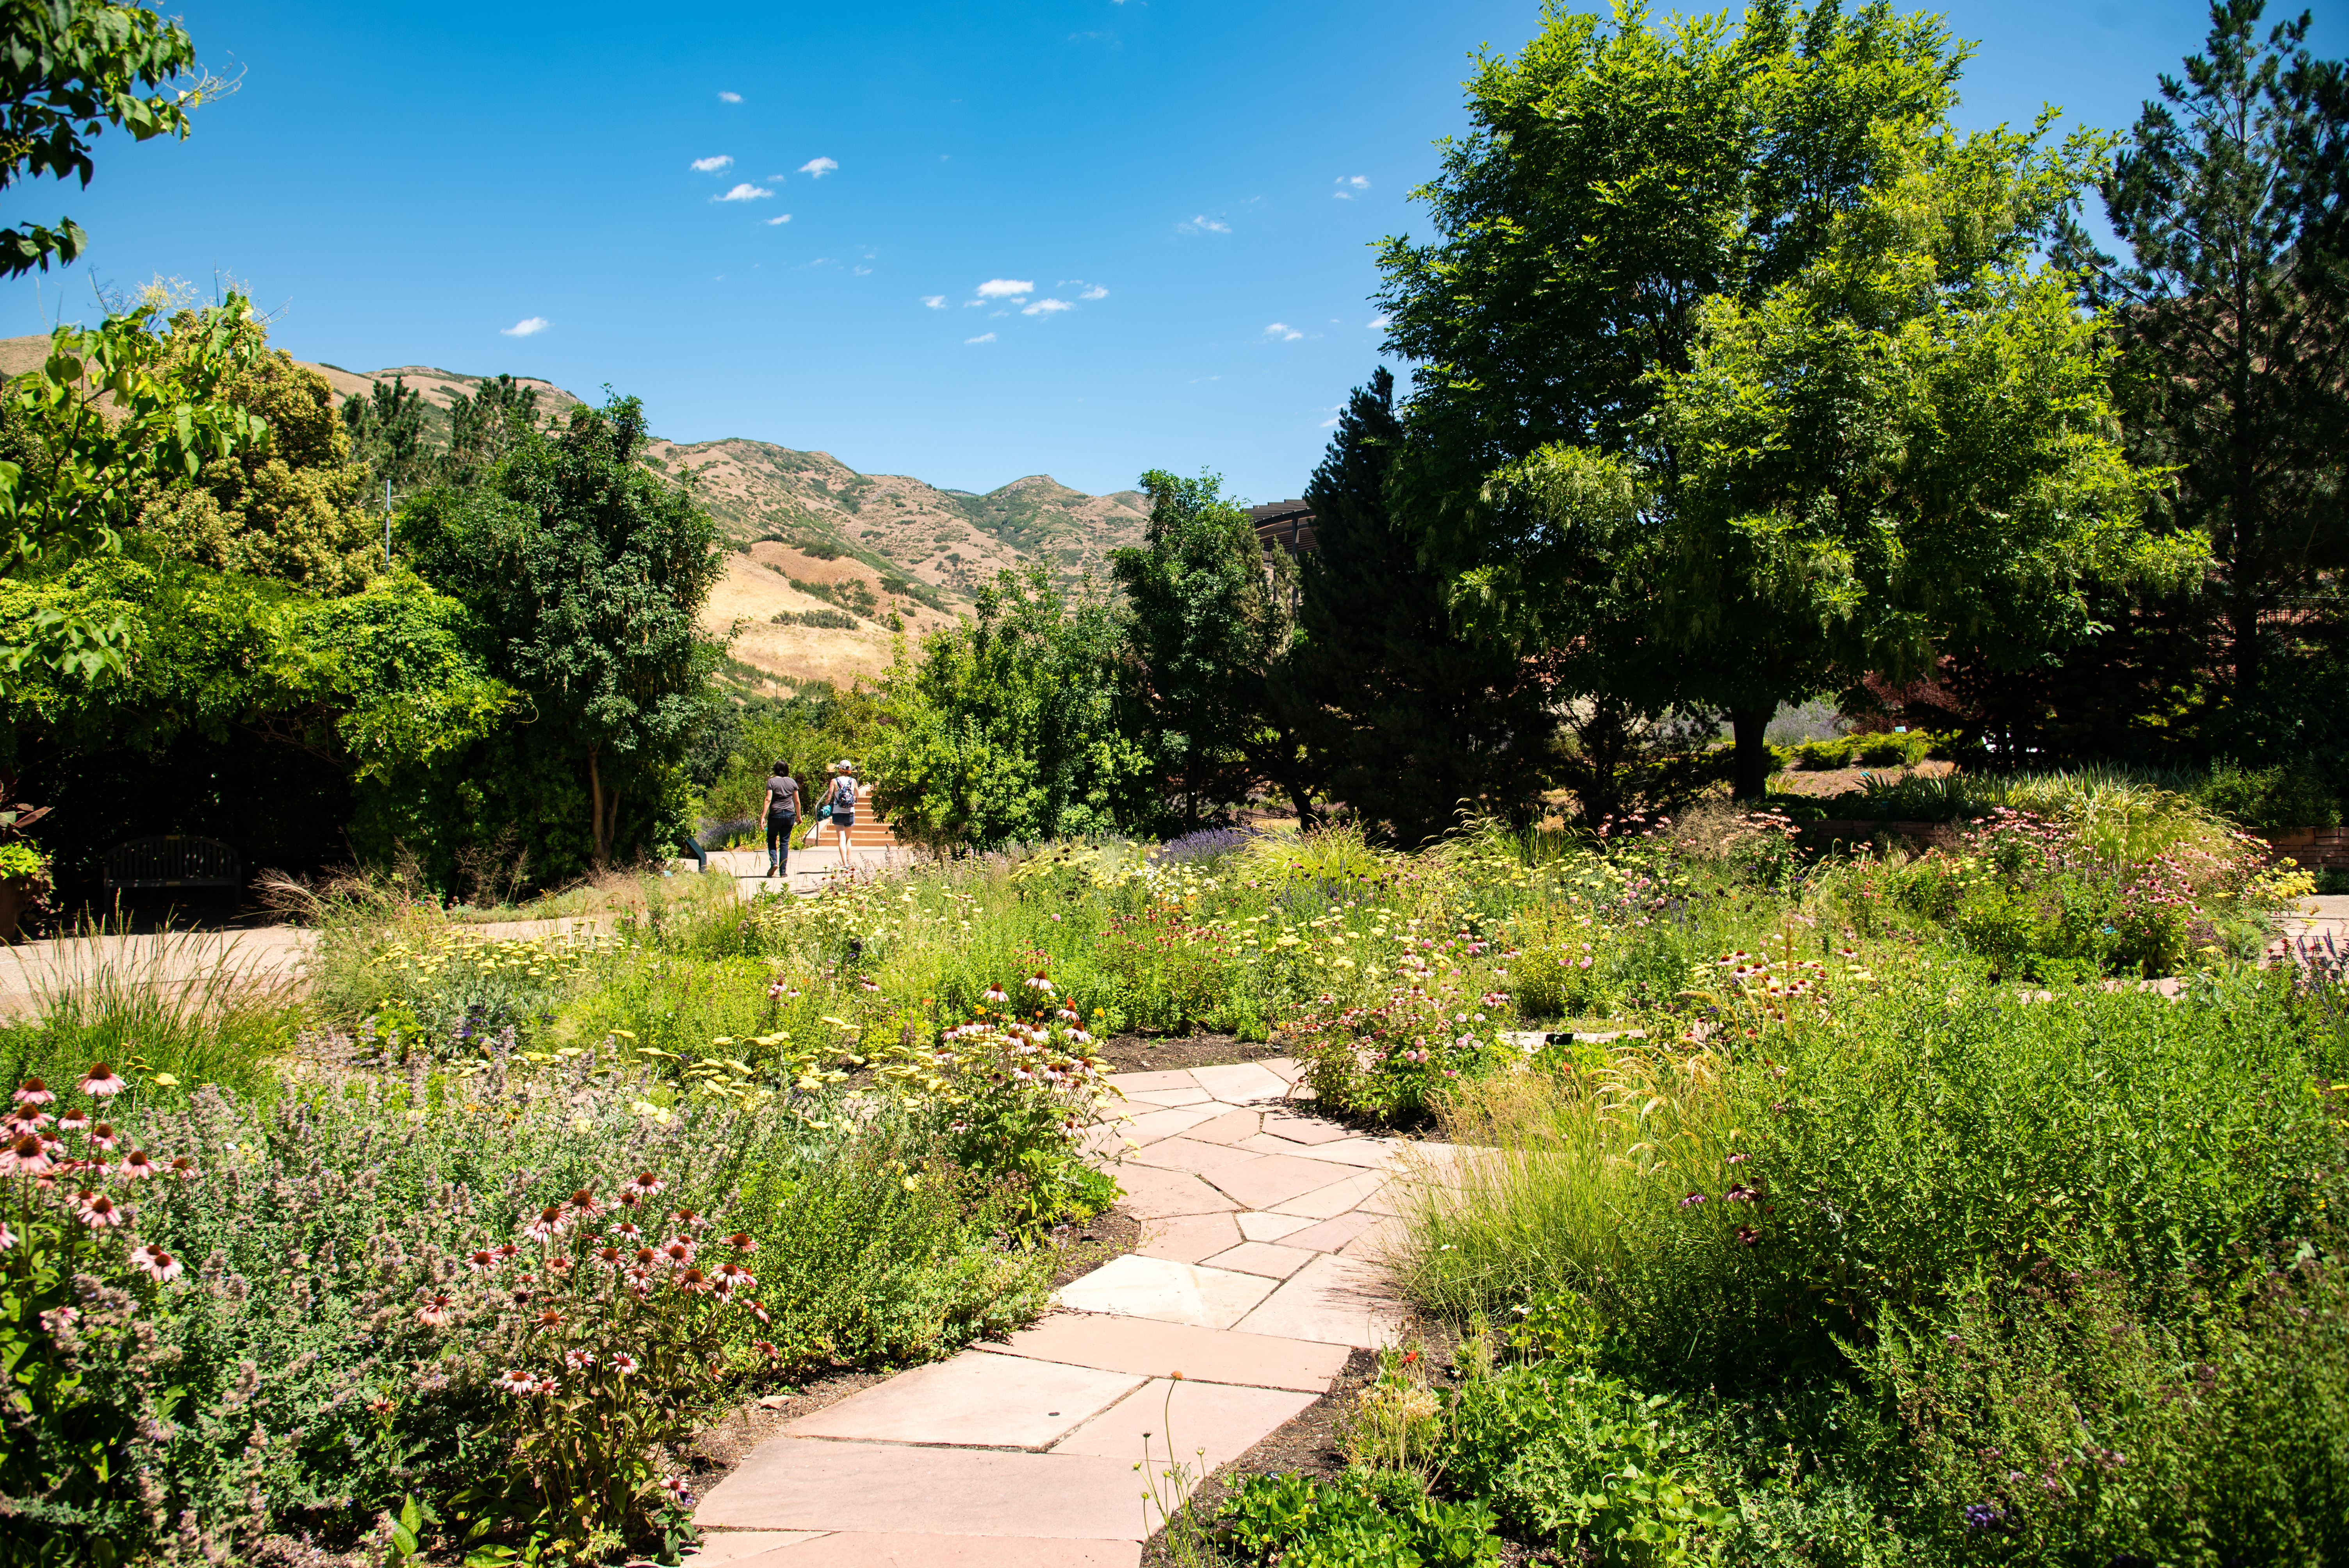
(1162, 208)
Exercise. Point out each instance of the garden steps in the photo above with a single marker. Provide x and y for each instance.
(1259, 1272)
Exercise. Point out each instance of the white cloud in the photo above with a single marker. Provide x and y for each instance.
(982, 337)
(1283, 331)
(729, 98)
(744, 192)
(935, 301)
(712, 165)
(1007, 288)
(1378, 322)
(526, 327)
(1047, 307)
(1348, 184)
(1096, 291)
(779, 218)
(1203, 224)
(817, 167)
(1329, 422)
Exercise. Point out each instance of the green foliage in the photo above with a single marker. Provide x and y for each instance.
(1359, 1521)
(71, 69)
(2289, 795)
(822, 620)
(1009, 727)
(584, 574)
(387, 432)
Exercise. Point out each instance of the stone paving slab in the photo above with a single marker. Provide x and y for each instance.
(810, 1483)
(1169, 1096)
(1337, 1198)
(1329, 1235)
(1154, 1194)
(1181, 1418)
(1232, 1127)
(1335, 1300)
(864, 1549)
(1296, 1128)
(1190, 1238)
(1257, 1225)
(974, 1399)
(718, 1546)
(1185, 1153)
(1145, 1125)
(1136, 1286)
(1266, 1258)
(1153, 1349)
(1126, 1083)
(1268, 1180)
(1241, 1082)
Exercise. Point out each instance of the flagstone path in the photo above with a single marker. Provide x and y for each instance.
(1258, 1276)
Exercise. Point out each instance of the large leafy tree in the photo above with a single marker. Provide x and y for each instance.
(586, 572)
(1619, 175)
(1009, 725)
(1405, 716)
(1208, 618)
(2231, 197)
(67, 70)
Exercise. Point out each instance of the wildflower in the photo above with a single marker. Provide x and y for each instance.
(733, 1276)
(643, 1184)
(1747, 1236)
(136, 1164)
(677, 1252)
(997, 995)
(608, 1256)
(103, 1136)
(693, 1282)
(675, 1486)
(183, 1167)
(1037, 982)
(1692, 1200)
(8, 1237)
(100, 1080)
(550, 1318)
(625, 1231)
(547, 1385)
(1740, 1193)
(623, 1363)
(73, 1120)
(435, 1310)
(741, 1242)
(756, 1311)
(155, 1262)
(1738, 1157)
(1983, 1516)
(547, 1226)
(691, 1219)
(34, 1092)
(579, 1360)
(482, 1261)
(27, 1156)
(98, 1210)
(516, 1382)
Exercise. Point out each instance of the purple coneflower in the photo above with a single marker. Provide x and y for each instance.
(155, 1262)
(100, 1080)
(1747, 1236)
(579, 1360)
(693, 1282)
(691, 1219)
(547, 1226)
(583, 1204)
(34, 1092)
(184, 1167)
(643, 1184)
(1740, 1193)
(27, 1156)
(550, 1318)
(516, 1382)
(435, 1310)
(626, 1231)
(623, 1363)
(677, 1252)
(760, 1312)
(1693, 1200)
(995, 993)
(742, 1242)
(74, 1121)
(98, 1210)
(482, 1261)
(675, 1486)
(732, 1276)
(138, 1164)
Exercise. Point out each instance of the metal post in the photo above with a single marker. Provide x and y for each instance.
(387, 522)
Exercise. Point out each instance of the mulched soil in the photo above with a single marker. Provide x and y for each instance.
(1177, 1053)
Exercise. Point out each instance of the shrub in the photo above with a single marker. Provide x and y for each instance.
(2290, 794)
(1359, 1521)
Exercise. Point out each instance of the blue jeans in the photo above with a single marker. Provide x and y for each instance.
(779, 840)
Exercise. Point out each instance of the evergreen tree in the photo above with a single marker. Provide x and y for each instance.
(2232, 311)
(388, 433)
(1404, 718)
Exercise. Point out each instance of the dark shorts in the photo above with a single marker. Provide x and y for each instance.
(843, 819)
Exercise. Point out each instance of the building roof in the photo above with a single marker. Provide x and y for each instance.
(1287, 523)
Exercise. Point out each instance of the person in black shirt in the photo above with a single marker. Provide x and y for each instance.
(783, 814)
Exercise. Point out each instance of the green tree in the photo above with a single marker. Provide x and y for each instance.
(1405, 716)
(2232, 195)
(499, 415)
(1208, 618)
(68, 69)
(1620, 176)
(1009, 727)
(388, 432)
(585, 574)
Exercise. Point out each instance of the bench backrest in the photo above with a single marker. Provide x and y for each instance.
(171, 860)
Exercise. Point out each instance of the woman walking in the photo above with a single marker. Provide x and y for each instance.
(783, 814)
(842, 801)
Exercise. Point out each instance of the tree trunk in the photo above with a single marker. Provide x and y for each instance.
(595, 810)
(1750, 759)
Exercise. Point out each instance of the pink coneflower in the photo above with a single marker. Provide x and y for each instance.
(482, 1261)
(608, 1256)
(1740, 1158)
(691, 1219)
(1070, 1016)
(1693, 1200)
(643, 1184)
(507, 1249)
(675, 1486)
(1747, 1236)
(676, 1252)
(693, 1282)
(34, 1092)
(1038, 983)
(583, 1204)
(155, 1262)
(760, 1312)
(8, 1236)
(1741, 1193)
(550, 1318)
(997, 995)
(547, 1385)
(623, 1363)
(435, 1310)
(547, 1226)
(74, 1121)
(732, 1277)
(98, 1210)
(184, 1168)
(579, 1360)
(742, 1242)
(517, 1382)
(625, 1231)
(26, 1155)
(138, 1164)
(101, 1080)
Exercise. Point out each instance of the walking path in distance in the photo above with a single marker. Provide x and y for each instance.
(1258, 1277)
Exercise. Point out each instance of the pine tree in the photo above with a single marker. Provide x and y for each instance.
(1407, 718)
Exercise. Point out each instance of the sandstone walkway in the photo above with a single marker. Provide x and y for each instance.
(1257, 1278)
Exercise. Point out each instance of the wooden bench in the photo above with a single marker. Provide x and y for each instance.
(171, 860)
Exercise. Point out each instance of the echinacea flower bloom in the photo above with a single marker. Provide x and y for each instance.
(693, 1282)
(732, 1276)
(138, 1163)
(579, 1360)
(643, 1184)
(550, 1318)
(101, 1080)
(27, 1156)
(516, 1382)
(691, 1219)
(608, 1256)
(995, 993)
(675, 1486)
(1747, 1236)
(760, 1312)
(1038, 983)
(482, 1261)
(583, 1204)
(547, 1226)
(1738, 1157)
(623, 1363)
(1693, 1200)
(98, 1210)
(155, 1262)
(435, 1310)
(74, 1121)
(184, 1168)
(34, 1092)
(742, 1242)
(677, 1252)
(8, 1236)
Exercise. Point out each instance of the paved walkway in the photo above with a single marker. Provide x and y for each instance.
(1258, 1277)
